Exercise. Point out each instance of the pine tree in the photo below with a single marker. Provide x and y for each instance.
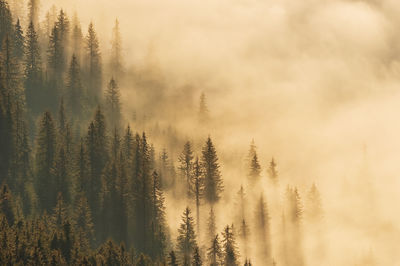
(314, 212)
(5, 21)
(263, 231)
(45, 155)
(97, 151)
(186, 241)
(255, 169)
(158, 219)
(186, 167)
(82, 222)
(19, 41)
(75, 93)
(214, 253)
(272, 172)
(198, 189)
(212, 227)
(230, 253)
(113, 104)
(212, 176)
(116, 63)
(77, 38)
(33, 72)
(197, 258)
(61, 173)
(94, 71)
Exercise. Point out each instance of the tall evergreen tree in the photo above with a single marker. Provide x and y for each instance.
(172, 261)
(214, 253)
(272, 172)
(262, 231)
(6, 205)
(97, 152)
(19, 41)
(212, 226)
(94, 71)
(116, 61)
(77, 38)
(113, 104)
(5, 21)
(74, 93)
(230, 252)
(197, 261)
(45, 155)
(198, 190)
(33, 72)
(82, 222)
(186, 167)
(212, 176)
(314, 211)
(186, 241)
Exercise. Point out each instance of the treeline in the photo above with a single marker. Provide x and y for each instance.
(80, 188)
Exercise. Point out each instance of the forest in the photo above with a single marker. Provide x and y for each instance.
(102, 163)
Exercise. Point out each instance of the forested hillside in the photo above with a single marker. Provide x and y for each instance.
(91, 177)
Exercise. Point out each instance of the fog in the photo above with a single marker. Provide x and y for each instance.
(314, 83)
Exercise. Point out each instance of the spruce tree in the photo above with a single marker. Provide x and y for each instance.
(74, 92)
(230, 253)
(212, 176)
(211, 224)
(272, 172)
(314, 211)
(19, 41)
(186, 241)
(186, 167)
(198, 189)
(214, 253)
(77, 38)
(197, 258)
(116, 61)
(5, 21)
(45, 155)
(94, 71)
(262, 231)
(82, 222)
(33, 72)
(113, 104)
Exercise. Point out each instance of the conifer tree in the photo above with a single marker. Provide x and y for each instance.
(186, 167)
(212, 176)
(244, 234)
(94, 71)
(5, 21)
(314, 212)
(263, 231)
(230, 253)
(214, 253)
(272, 172)
(19, 41)
(82, 222)
(77, 38)
(33, 71)
(186, 241)
(197, 258)
(74, 92)
(61, 175)
(96, 147)
(45, 155)
(116, 63)
(198, 189)
(212, 227)
(113, 104)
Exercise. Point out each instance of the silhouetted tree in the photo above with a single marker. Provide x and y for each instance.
(212, 176)
(186, 241)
